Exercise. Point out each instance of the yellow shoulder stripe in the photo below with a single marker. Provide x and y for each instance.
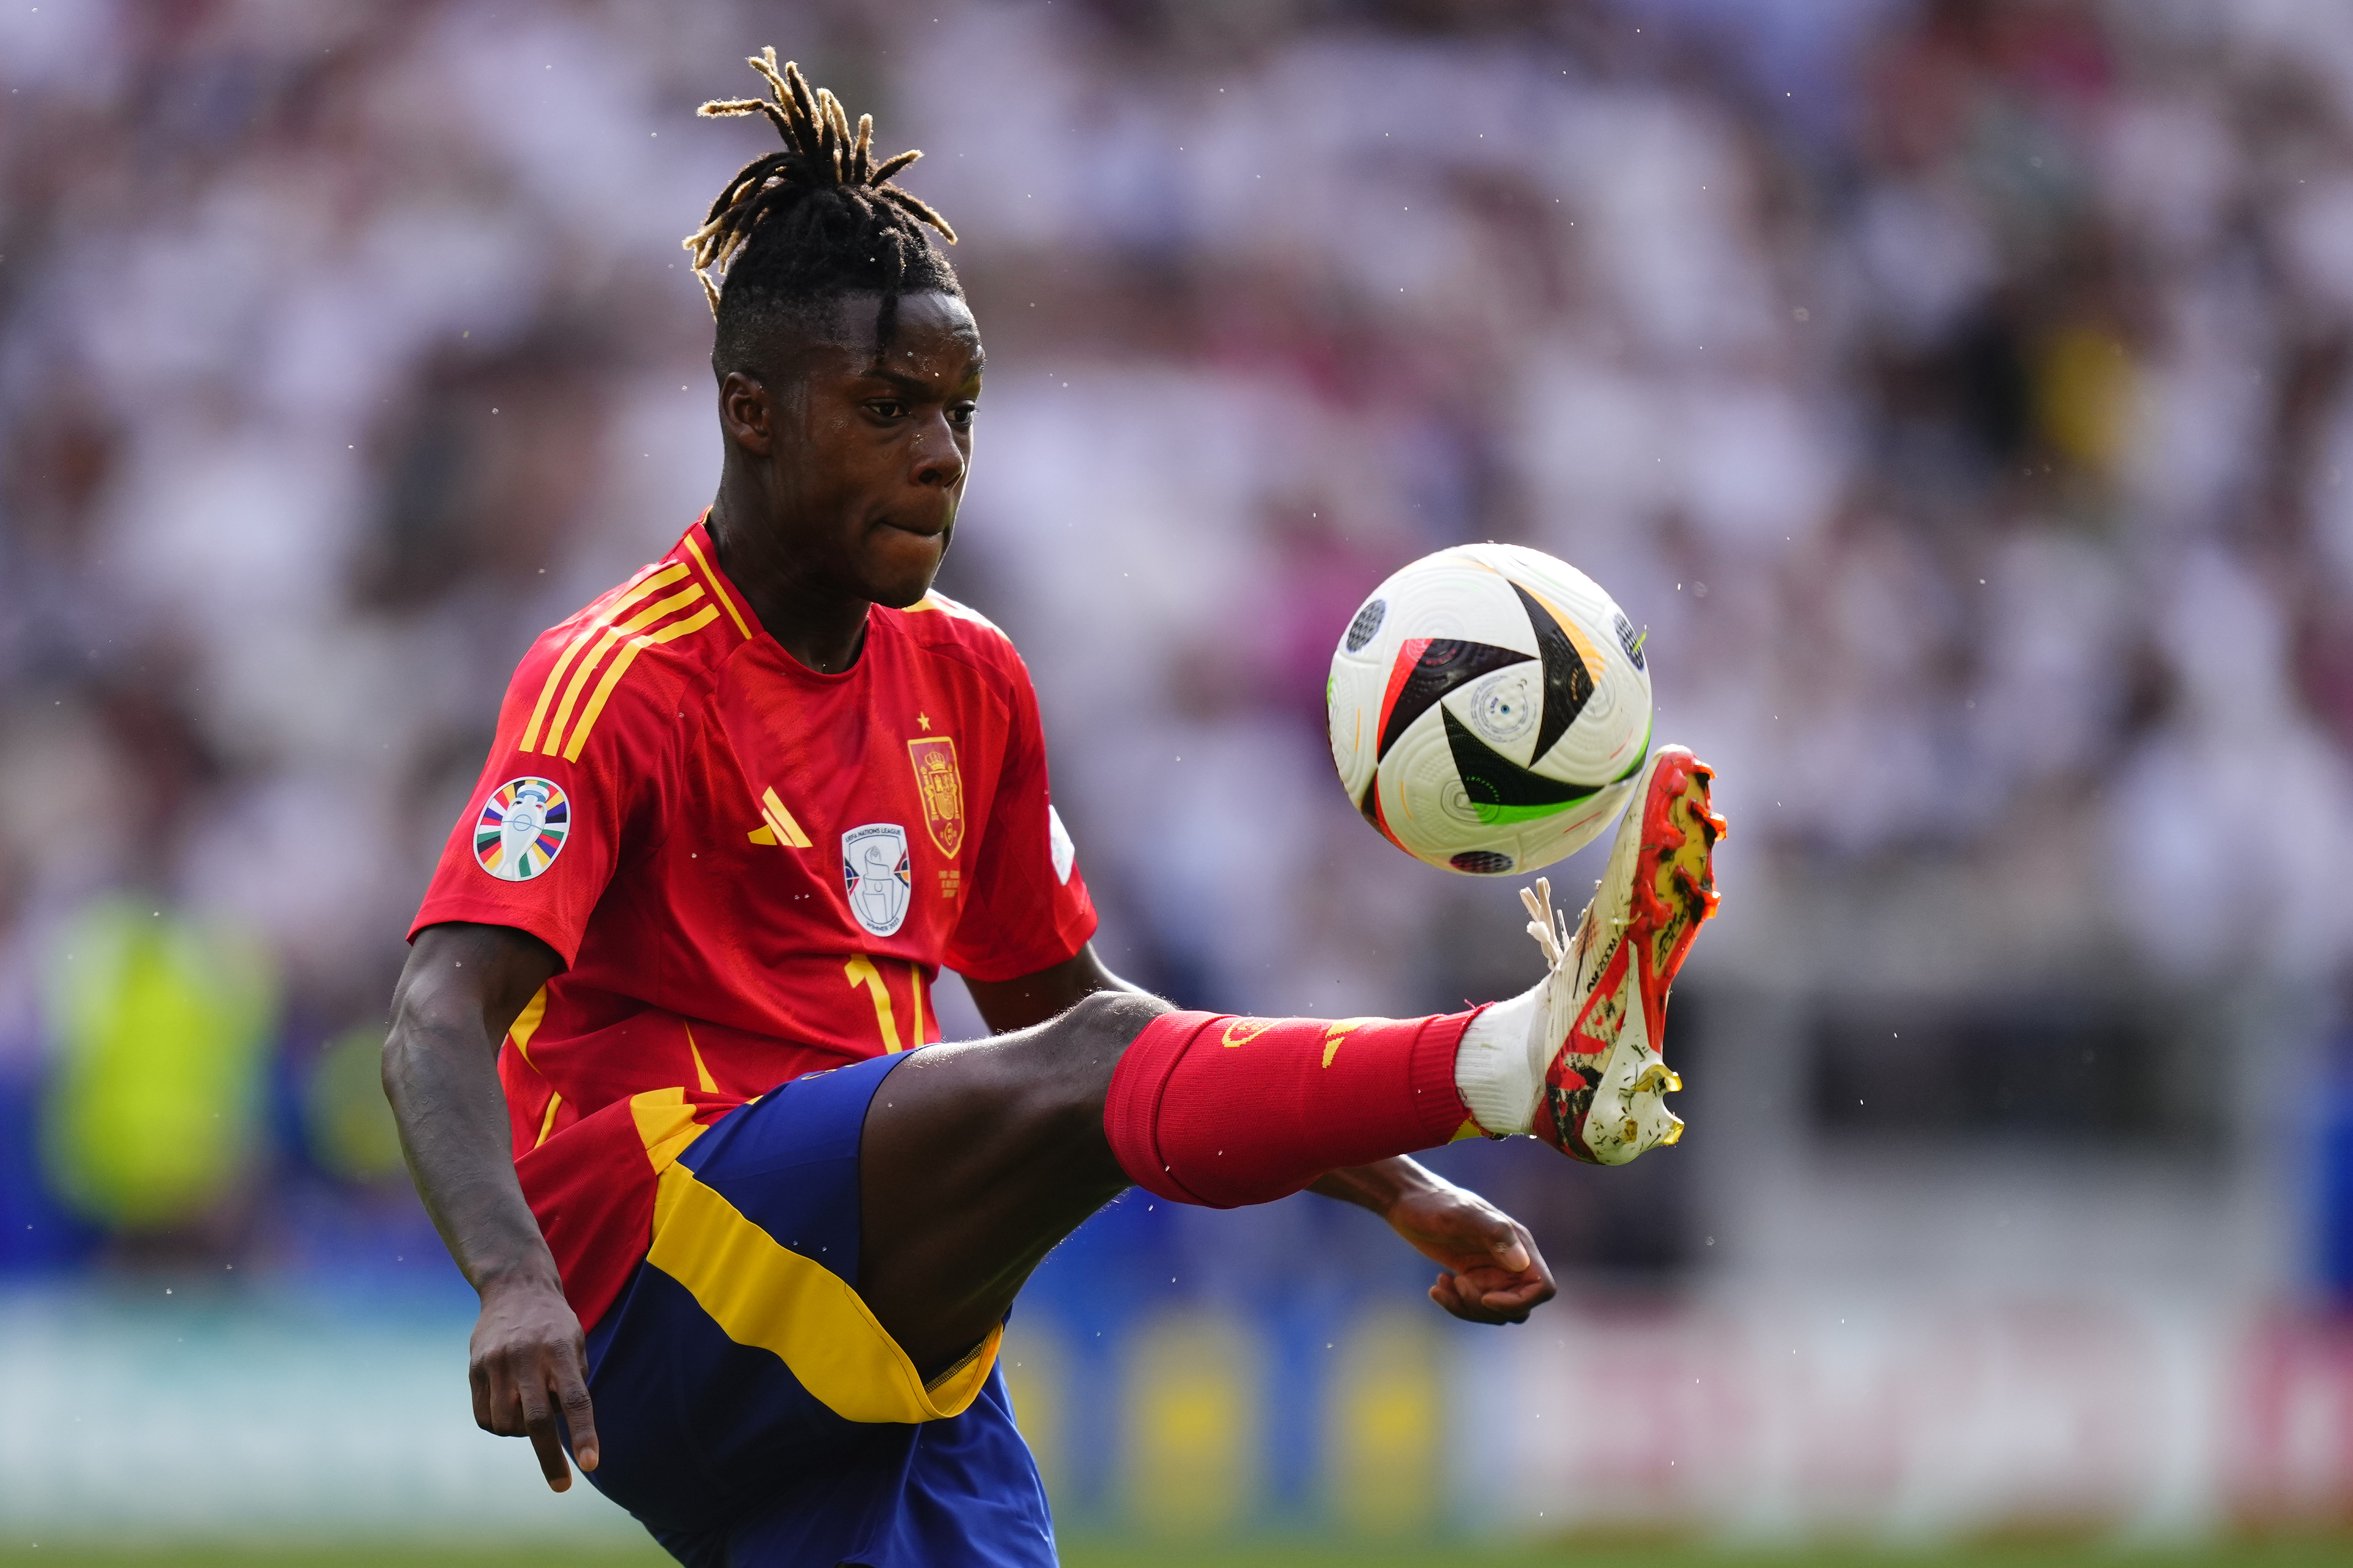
(620, 666)
(717, 592)
(612, 634)
(596, 622)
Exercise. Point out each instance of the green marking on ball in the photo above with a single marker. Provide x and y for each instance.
(1494, 815)
(1494, 782)
(1641, 754)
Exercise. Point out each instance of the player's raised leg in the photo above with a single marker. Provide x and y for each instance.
(978, 1158)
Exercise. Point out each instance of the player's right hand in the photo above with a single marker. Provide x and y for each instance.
(529, 1365)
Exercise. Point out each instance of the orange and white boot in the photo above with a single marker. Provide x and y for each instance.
(1591, 1074)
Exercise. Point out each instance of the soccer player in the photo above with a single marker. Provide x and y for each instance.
(740, 1246)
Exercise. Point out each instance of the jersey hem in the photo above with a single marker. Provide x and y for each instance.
(460, 912)
(1024, 969)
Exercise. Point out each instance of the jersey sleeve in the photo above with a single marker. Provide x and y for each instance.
(548, 823)
(1029, 907)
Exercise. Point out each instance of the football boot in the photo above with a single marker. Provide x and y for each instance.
(1603, 1021)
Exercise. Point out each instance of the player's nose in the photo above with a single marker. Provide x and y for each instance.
(939, 459)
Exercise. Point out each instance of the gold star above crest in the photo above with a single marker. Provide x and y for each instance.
(924, 720)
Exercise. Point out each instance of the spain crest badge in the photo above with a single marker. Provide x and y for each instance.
(941, 786)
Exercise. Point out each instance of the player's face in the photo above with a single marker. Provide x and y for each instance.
(867, 457)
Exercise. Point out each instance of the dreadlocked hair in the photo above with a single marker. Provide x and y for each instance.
(814, 222)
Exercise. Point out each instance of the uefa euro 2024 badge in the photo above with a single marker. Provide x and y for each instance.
(521, 829)
(875, 875)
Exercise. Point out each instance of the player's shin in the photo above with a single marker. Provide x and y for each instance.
(1222, 1111)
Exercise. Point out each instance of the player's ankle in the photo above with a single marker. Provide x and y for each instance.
(1493, 1071)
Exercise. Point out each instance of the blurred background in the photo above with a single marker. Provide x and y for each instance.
(1961, 394)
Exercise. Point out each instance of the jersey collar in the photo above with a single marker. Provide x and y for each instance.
(697, 547)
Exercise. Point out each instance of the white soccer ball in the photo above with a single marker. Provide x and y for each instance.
(1489, 708)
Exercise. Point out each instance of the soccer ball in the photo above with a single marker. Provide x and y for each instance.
(1489, 708)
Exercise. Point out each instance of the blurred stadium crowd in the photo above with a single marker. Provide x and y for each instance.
(1961, 393)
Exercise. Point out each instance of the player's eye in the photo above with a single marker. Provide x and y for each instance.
(884, 408)
(960, 415)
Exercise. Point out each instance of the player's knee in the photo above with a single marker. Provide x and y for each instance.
(1056, 1075)
(1089, 1040)
(1107, 1021)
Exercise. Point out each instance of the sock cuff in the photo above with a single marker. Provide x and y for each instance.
(1132, 1105)
(1437, 1099)
(1491, 1066)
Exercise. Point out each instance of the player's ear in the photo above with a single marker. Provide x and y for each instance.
(746, 414)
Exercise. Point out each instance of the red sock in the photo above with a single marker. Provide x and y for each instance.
(1212, 1109)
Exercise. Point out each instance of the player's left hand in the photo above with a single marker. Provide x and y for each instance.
(1495, 1273)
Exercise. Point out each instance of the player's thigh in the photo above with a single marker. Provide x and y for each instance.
(739, 1350)
(977, 1158)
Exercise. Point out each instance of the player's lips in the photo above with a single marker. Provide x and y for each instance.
(920, 529)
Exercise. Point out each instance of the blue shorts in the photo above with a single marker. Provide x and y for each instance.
(750, 1409)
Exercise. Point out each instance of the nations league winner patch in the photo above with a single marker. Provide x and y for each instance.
(521, 829)
(876, 877)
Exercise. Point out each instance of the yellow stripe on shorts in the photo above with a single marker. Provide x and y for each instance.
(763, 1293)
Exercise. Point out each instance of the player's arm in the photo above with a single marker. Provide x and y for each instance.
(1009, 1004)
(461, 989)
(1493, 1272)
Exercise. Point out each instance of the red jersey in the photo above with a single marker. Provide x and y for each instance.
(750, 869)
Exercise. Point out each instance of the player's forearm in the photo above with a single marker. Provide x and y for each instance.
(1378, 1186)
(441, 1076)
